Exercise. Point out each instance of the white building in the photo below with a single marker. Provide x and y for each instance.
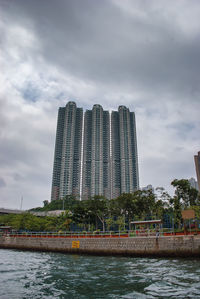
(193, 183)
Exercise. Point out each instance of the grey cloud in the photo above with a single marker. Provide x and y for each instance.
(30, 92)
(17, 177)
(97, 41)
(144, 54)
(2, 182)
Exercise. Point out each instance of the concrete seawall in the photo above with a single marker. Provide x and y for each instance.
(174, 246)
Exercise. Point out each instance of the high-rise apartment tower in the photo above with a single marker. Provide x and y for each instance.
(96, 153)
(101, 157)
(124, 161)
(67, 157)
(197, 165)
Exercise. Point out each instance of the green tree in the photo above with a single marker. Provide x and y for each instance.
(145, 203)
(109, 223)
(98, 205)
(81, 214)
(185, 193)
(121, 223)
(127, 206)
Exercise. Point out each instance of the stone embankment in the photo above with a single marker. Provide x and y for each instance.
(175, 246)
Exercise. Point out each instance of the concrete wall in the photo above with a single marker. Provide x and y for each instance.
(187, 246)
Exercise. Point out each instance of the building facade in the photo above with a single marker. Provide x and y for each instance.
(124, 160)
(97, 158)
(197, 166)
(148, 188)
(67, 157)
(96, 153)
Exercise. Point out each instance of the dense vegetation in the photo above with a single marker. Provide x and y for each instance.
(116, 214)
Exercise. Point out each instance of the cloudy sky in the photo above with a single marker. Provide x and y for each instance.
(144, 54)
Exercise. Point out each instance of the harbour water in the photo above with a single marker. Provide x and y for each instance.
(25, 274)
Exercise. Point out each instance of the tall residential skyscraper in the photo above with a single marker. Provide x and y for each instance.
(105, 163)
(67, 157)
(124, 158)
(197, 165)
(96, 153)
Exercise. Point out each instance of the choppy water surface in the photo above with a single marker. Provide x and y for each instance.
(54, 275)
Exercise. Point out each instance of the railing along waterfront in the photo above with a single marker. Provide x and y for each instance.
(68, 234)
(99, 234)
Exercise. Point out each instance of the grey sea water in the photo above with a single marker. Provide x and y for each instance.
(53, 275)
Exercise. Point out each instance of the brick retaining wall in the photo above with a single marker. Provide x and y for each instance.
(187, 246)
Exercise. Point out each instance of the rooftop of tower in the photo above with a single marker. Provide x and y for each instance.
(122, 107)
(97, 106)
(71, 103)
